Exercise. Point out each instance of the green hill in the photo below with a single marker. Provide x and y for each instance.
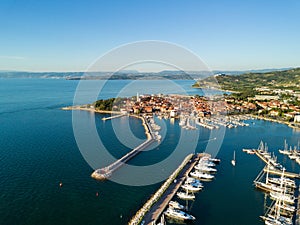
(287, 79)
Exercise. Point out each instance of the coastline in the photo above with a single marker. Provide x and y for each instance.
(70, 108)
(147, 132)
(217, 89)
(144, 123)
(276, 121)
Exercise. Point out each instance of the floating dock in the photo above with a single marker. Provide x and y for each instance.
(151, 211)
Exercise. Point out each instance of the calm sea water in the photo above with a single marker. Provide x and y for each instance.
(38, 150)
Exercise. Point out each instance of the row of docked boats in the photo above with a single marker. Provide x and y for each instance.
(281, 191)
(188, 122)
(193, 183)
(293, 154)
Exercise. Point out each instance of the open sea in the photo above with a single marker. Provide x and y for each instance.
(38, 150)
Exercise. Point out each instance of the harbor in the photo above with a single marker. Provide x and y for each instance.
(154, 209)
(280, 187)
(269, 159)
(152, 136)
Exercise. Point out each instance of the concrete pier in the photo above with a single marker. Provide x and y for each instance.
(275, 171)
(106, 172)
(113, 117)
(151, 211)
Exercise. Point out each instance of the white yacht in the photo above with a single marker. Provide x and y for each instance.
(205, 169)
(286, 181)
(175, 205)
(214, 160)
(290, 199)
(233, 160)
(280, 221)
(285, 151)
(193, 181)
(286, 207)
(178, 214)
(191, 187)
(203, 176)
(268, 186)
(206, 163)
(185, 196)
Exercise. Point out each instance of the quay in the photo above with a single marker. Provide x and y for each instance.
(106, 172)
(154, 207)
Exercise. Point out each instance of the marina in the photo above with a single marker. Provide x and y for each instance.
(279, 189)
(168, 190)
(266, 157)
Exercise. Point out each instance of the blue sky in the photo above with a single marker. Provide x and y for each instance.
(69, 35)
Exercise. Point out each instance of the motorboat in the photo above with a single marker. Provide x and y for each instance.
(290, 199)
(175, 205)
(178, 214)
(214, 160)
(200, 175)
(185, 196)
(205, 169)
(193, 181)
(286, 181)
(191, 187)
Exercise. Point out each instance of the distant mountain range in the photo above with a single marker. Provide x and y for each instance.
(127, 74)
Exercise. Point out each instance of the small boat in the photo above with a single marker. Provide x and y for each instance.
(233, 160)
(185, 196)
(178, 214)
(175, 205)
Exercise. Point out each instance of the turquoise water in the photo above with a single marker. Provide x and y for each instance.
(38, 150)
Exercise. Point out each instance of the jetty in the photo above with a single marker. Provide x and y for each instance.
(274, 165)
(106, 172)
(113, 117)
(151, 211)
